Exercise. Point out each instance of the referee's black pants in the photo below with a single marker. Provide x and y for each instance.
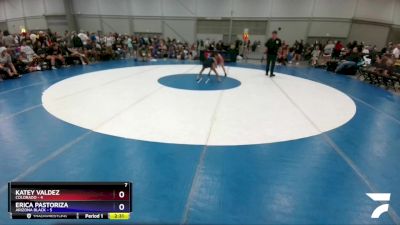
(271, 60)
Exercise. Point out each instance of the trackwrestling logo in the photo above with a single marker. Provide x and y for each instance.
(379, 197)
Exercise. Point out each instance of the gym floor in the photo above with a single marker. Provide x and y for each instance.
(303, 147)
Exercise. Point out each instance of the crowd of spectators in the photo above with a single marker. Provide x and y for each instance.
(379, 66)
(43, 50)
(344, 58)
(28, 52)
(318, 54)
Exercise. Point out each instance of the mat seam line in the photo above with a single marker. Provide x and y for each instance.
(392, 214)
(61, 78)
(375, 109)
(56, 99)
(53, 79)
(186, 213)
(101, 85)
(67, 146)
(19, 112)
(357, 99)
(53, 155)
(132, 104)
(19, 88)
(38, 105)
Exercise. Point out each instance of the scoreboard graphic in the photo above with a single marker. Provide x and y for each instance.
(70, 200)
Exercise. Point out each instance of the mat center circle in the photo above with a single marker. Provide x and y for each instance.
(205, 83)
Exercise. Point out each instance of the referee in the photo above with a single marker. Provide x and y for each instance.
(272, 46)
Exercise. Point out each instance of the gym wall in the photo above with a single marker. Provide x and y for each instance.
(289, 30)
(394, 34)
(369, 33)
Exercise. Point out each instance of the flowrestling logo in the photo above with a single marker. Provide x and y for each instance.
(384, 198)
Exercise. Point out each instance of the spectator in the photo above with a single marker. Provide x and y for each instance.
(128, 43)
(283, 53)
(315, 56)
(365, 50)
(390, 47)
(42, 40)
(76, 41)
(74, 54)
(337, 49)
(30, 54)
(118, 48)
(329, 47)
(350, 63)
(384, 66)
(33, 38)
(26, 64)
(89, 50)
(299, 47)
(84, 37)
(67, 40)
(6, 65)
(54, 53)
(396, 51)
(290, 55)
(7, 39)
